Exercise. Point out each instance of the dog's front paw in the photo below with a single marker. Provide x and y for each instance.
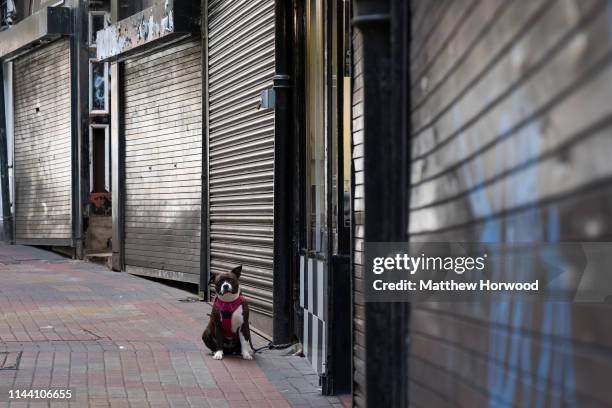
(247, 355)
(218, 355)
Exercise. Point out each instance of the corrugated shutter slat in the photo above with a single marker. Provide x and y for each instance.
(43, 165)
(163, 161)
(241, 145)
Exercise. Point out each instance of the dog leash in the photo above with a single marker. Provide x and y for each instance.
(270, 346)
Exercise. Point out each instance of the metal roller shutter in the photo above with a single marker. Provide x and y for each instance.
(359, 322)
(43, 165)
(163, 162)
(241, 146)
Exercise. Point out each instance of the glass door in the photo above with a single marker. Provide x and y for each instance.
(314, 239)
(316, 141)
(325, 184)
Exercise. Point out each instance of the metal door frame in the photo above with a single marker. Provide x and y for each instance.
(205, 274)
(301, 287)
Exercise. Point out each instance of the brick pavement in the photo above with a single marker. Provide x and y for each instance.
(122, 341)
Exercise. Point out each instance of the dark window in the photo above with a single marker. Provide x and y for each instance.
(99, 158)
(97, 23)
(98, 87)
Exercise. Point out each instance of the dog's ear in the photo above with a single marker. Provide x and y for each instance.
(236, 271)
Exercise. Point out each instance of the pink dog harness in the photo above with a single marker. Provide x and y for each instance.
(227, 309)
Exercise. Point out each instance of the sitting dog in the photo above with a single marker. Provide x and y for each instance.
(228, 328)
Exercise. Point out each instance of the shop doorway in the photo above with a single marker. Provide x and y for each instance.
(99, 225)
(325, 216)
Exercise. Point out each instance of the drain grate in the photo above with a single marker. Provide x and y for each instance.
(10, 360)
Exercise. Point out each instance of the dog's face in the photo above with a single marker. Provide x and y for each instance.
(227, 284)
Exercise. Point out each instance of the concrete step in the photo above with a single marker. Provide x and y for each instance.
(102, 258)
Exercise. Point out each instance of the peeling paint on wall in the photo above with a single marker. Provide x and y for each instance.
(110, 41)
(144, 27)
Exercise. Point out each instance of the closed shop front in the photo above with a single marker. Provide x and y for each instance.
(241, 147)
(514, 166)
(162, 131)
(42, 145)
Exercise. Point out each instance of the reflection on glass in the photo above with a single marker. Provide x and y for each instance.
(346, 113)
(316, 146)
(333, 111)
(98, 86)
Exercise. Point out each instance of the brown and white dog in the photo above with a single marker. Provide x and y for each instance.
(228, 328)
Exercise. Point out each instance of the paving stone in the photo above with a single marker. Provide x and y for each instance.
(122, 341)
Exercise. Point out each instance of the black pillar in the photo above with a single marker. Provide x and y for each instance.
(283, 179)
(79, 63)
(385, 188)
(4, 178)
